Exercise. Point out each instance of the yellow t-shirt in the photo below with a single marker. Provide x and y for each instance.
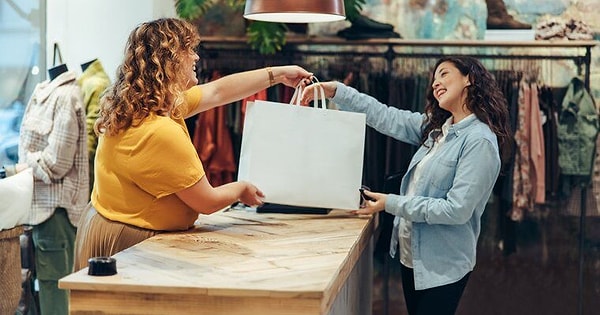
(138, 172)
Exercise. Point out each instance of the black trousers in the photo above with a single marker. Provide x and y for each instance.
(442, 300)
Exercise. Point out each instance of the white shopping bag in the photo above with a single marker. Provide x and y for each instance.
(303, 156)
(16, 194)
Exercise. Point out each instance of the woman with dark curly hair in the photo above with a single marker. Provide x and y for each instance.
(448, 182)
(148, 176)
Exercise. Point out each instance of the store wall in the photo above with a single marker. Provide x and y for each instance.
(88, 29)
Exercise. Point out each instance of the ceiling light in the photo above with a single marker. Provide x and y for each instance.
(295, 11)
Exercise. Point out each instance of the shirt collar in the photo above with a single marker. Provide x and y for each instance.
(455, 128)
(48, 87)
(447, 125)
(94, 69)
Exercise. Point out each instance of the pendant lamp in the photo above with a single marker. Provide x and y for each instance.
(295, 11)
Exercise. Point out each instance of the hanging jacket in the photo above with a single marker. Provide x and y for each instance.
(93, 82)
(577, 130)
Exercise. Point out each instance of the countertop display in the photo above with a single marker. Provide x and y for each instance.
(239, 262)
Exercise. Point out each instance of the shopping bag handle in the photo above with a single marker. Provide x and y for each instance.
(319, 94)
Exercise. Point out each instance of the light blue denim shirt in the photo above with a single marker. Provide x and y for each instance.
(451, 194)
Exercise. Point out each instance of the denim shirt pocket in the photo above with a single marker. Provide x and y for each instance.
(442, 173)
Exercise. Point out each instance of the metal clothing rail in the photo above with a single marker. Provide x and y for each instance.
(390, 49)
(215, 48)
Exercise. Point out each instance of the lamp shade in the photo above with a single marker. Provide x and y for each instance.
(295, 11)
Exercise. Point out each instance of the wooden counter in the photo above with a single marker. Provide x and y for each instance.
(240, 262)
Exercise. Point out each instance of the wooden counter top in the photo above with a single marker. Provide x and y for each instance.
(234, 256)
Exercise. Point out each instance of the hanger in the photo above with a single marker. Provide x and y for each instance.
(85, 65)
(57, 70)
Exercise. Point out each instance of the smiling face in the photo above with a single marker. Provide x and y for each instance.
(188, 69)
(449, 88)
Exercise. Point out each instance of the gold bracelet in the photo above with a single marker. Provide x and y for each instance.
(271, 78)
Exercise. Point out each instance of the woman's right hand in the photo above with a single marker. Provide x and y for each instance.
(251, 195)
(308, 93)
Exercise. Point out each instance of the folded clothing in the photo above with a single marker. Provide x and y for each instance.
(557, 28)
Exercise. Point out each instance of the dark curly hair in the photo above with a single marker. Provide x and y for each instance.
(484, 99)
(147, 80)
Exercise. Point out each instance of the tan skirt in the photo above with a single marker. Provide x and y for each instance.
(100, 237)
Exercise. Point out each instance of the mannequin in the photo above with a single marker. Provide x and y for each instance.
(87, 64)
(57, 70)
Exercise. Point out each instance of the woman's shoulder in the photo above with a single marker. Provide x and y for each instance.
(478, 131)
(155, 127)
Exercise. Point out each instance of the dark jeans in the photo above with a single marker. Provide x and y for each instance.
(442, 300)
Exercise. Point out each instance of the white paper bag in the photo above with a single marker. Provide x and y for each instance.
(303, 156)
(16, 195)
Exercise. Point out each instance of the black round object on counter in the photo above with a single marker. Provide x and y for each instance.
(102, 266)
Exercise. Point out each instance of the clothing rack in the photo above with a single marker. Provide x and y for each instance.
(580, 52)
(228, 49)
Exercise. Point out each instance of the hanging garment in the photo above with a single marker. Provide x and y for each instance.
(529, 169)
(574, 203)
(549, 107)
(537, 148)
(212, 140)
(53, 143)
(522, 183)
(577, 130)
(93, 82)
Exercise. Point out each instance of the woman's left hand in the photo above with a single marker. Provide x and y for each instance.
(375, 205)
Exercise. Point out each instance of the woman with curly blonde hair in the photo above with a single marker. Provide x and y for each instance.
(148, 176)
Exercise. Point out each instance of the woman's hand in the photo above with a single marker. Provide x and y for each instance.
(375, 205)
(308, 93)
(205, 199)
(251, 195)
(291, 76)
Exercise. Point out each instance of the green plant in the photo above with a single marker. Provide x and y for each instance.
(193, 9)
(266, 37)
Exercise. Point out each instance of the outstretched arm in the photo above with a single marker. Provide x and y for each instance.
(236, 86)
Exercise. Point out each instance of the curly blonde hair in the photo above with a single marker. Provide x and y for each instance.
(147, 80)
